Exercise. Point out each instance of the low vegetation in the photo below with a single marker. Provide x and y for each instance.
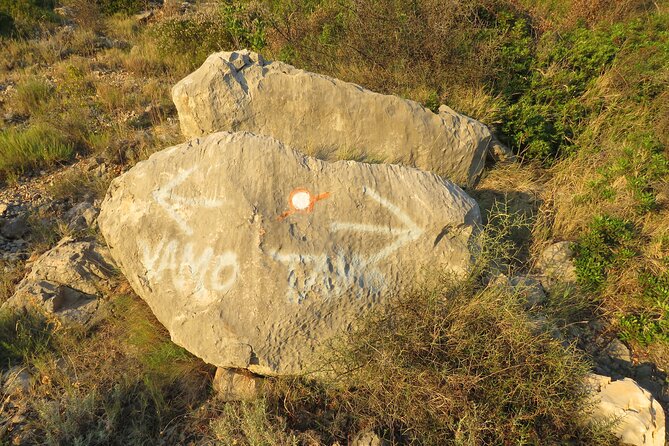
(578, 89)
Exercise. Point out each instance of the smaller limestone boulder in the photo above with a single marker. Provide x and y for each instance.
(316, 114)
(638, 418)
(66, 281)
(235, 385)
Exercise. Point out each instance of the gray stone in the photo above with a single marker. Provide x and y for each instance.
(500, 153)
(15, 228)
(644, 371)
(236, 385)
(81, 216)
(143, 17)
(253, 255)
(327, 117)
(66, 281)
(618, 351)
(638, 418)
(530, 289)
(16, 380)
(556, 264)
(367, 438)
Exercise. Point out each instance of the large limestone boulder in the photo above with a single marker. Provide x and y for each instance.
(252, 255)
(66, 281)
(327, 117)
(638, 418)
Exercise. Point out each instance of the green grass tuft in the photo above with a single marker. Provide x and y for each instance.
(37, 146)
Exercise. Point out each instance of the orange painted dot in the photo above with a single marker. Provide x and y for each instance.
(301, 200)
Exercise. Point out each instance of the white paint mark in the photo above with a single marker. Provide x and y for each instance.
(202, 276)
(409, 233)
(301, 200)
(327, 274)
(178, 207)
(322, 275)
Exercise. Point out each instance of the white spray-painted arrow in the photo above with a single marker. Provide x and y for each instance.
(409, 233)
(175, 205)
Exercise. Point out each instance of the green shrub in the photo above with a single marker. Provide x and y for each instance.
(111, 7)
(545, 114)
(603, 246)
(37, 146)
(652, 323)
(246, 27)
(189, 39)
(22, 18)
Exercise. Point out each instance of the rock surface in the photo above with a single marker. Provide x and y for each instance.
(326, 117)
(252, 255)
(235, 385)
(556, 263)
(66, 280)
(639, 417)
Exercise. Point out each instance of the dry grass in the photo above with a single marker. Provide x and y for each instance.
(124, 385)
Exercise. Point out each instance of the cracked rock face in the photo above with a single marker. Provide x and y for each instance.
(638, 417)
(252, 255)
(66, 281)
(327, 117)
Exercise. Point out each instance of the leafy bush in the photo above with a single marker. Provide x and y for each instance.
(191, 38)
(545, 113)
(22, 18)
(652, 323)
(110, 7)
(602, 247)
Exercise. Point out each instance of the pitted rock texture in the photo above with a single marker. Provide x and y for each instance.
(66, 280)
(639, 418)
(326, 117)
(252, 255)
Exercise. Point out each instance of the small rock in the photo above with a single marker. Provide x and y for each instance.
(65, 281)
(556, 264)
(15, 228)
(82, 216)
(13, 118)
(100, 170)
(143, 17)
(618, 351)
(367, 438)
(3, 209)
(16, 380)
(235, 385)
(530, 288)
(499, 152)
(64, 11)
(639, 417)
